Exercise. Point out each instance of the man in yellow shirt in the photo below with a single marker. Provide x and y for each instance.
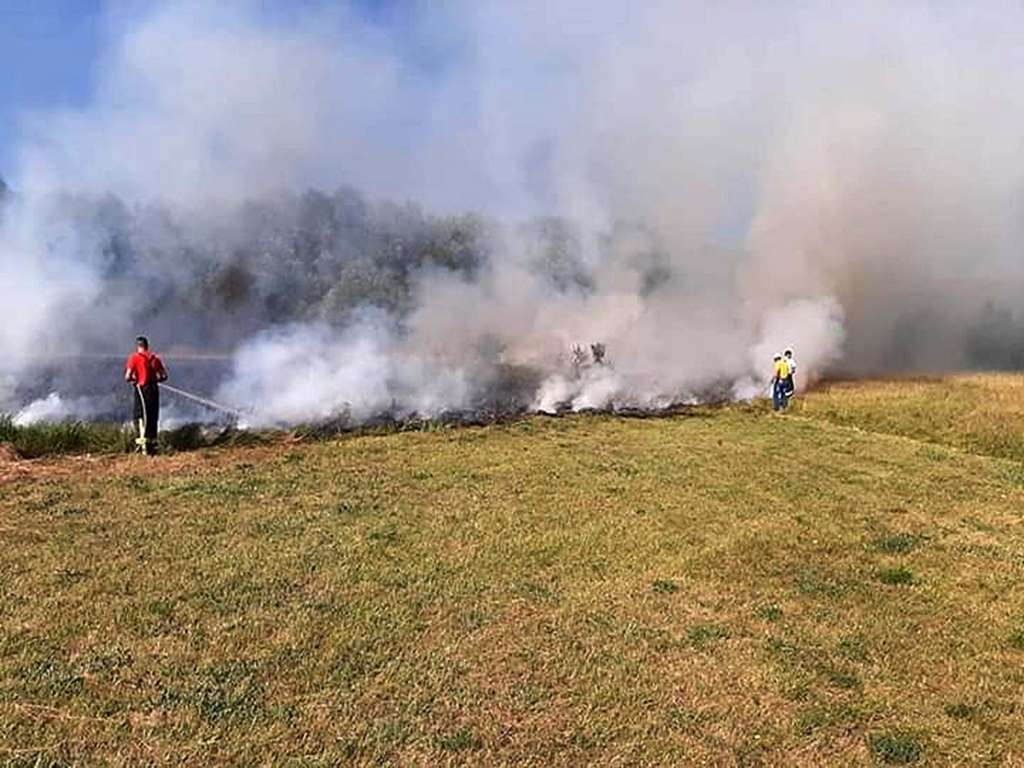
(780, 376)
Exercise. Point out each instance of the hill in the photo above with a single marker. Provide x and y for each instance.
(838, 585)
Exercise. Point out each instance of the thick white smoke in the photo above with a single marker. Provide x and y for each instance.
(742, 178)
(306, 373)
(51, 408)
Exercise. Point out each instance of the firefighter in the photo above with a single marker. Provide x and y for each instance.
(144, 370)
(791, 381)
(780, 374)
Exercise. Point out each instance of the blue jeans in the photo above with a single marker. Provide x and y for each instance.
(779, 395)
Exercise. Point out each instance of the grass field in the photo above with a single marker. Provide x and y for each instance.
(840, 585)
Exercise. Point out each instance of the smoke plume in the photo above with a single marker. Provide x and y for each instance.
(442, 207)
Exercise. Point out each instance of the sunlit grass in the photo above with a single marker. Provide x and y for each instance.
(729, 587)
(981, 413)
(45, 439)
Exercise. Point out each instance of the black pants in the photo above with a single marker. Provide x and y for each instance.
(147, 410)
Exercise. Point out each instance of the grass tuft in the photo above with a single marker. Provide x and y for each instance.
(664, 587)
(52, 678)
(229, 691)
(959, 711)
(842, 679)
(896, 543)
(895, 748)
(896, 576)
(383, 536)
(461, 740)
(811, 720)
(813, 583)
(702, 635)
(853, 648)
(769, 612)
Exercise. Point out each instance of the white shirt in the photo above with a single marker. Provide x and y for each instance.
(792, 365)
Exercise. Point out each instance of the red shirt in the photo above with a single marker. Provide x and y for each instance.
(145, 367)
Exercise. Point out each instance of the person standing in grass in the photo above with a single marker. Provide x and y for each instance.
(780, 374)
(790, 361)
(144, 371)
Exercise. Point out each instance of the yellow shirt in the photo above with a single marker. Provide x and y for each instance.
(782, 369)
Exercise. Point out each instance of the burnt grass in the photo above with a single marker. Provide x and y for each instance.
(78, 437)
(506, 397)
(574, 590)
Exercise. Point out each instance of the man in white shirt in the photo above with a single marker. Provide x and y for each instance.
(790, 383)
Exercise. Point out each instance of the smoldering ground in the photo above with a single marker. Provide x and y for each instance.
(695, 187)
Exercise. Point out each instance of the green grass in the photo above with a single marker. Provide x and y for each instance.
(960, 710)
(896, 543)
(74, 437)
(770, 612)
(701, 635)
(584, 590)
(896, 576)
(896, 748)
(45, 439)
(664, 587)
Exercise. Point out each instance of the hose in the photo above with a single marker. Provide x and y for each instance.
(201, 400)
(143, 439)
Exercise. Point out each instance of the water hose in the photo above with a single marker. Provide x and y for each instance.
(142, 441)
(201, 400)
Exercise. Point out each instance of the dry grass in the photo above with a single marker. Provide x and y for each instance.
(979, 413)
(727, 588)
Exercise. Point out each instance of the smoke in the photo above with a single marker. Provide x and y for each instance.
(55, 409)
(304, 373)
(52, 408)
(694, 186)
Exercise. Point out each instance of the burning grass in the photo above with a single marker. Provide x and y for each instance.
(564, 591)
(979, 413)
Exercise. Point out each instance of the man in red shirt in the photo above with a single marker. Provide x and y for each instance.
(144, 370)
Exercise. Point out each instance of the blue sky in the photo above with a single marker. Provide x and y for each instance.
(48, 50)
